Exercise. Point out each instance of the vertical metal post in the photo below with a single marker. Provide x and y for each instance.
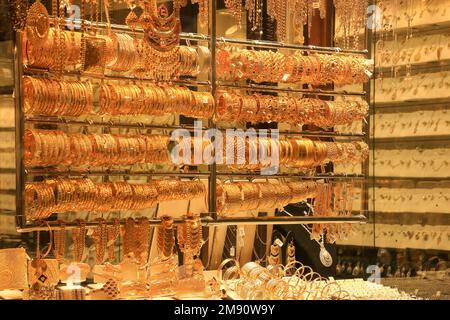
(19, 130)
(372, 54)
(367, 129)
(212, 183)
(213, 168)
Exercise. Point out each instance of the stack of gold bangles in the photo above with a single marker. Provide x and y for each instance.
(54, 147)
(64, 195)
(186, 149)
(246, 196)
(154, 100)
(179, 190)
(233, 106)
(189, 61)
(296, 152)
(40, 52)
(316, 69)
(122, 53)
(295, 281)
(74, 98)
(57, 98)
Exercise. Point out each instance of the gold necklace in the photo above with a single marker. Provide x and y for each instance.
(235, 7)
(277, 10)
(128, 236)
(37, 21)
(78, 236)
(299, 14)
(203, 9)
(59, 237)
(161, 39)
(142, 239)
(254, 8)
(352, 14)
(166, 238)
(39, 290)
(100, 239)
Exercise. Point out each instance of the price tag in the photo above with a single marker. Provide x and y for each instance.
(232, 252)
(240, 243)
(279, 243)
(316, 5)
(241, 232)
(368, 73)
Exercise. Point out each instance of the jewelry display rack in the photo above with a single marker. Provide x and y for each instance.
(422, 103)
(112, 124)
(409, 176)
(210, 218)
(413, 102)
(418, 68)
(210, 222)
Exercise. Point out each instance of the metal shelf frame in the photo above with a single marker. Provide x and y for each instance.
(210, 222)
(139, 125)
(416, 69)
(280, 45)
(330, 176)
(222, 40)
(266, 88)
(112, 173)
(211, 218)
(115, 76)
(108, 124)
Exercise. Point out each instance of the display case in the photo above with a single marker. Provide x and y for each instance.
(408, 235)
(210, 149)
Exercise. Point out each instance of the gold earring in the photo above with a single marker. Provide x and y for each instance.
(274, 257)
(290, 257)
